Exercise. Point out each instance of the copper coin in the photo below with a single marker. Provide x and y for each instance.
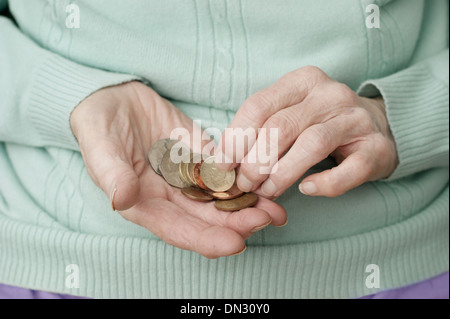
(188, 168)
(196, 194)
(196, 176)
(232, 193)
(244, 201)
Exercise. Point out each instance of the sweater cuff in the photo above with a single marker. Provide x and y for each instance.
(417, 109)
(59, 85)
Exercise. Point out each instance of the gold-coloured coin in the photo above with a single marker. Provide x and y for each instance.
(214, 178)
(182, 173)
(183, 169)
(244, 201)
(196, 194)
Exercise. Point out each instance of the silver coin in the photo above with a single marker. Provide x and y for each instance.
(170, 170)
(157, 152)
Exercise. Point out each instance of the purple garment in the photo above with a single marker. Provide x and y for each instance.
(10, 292)
(434, 288)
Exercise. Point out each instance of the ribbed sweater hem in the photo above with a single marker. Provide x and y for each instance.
(128, 267)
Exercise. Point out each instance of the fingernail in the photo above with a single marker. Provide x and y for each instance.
(308, 188)
(268, 188)
(244, 184)
(239, 252)
(257, 228)
(112, 197)
(285, 223)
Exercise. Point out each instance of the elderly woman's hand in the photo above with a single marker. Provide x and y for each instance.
(316, 117)
(115, 128)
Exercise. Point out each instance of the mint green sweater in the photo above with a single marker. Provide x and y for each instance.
(207, 57)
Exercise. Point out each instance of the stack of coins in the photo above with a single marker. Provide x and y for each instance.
(198, 176)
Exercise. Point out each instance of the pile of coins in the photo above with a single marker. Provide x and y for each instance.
(198, 176)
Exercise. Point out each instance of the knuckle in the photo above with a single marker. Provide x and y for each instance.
(255, 108)
(343, 94)
(312, 72)
(382, 146)
(362, 120)
(335, 93)
(317, 139)
(310, 75)
(262, 101)
(250, 169)
(285, 123)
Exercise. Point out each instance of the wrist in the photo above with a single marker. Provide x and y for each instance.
(385, 130)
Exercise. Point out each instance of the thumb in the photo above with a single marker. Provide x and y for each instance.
(122, 186)
(113, 174)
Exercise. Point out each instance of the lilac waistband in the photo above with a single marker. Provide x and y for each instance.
(433, 288)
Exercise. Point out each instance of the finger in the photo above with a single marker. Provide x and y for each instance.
(355, 170)
(315, 144)
(281, 130)
(245, 222)
(112, 173)
(176, 227)
(278, 133)
(276, 212)
(250, 220)
(289, 90)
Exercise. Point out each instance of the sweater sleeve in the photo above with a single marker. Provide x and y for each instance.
(417, 107)
(417, 97)
(39, 89)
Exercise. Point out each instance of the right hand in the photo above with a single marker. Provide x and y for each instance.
(115, 128)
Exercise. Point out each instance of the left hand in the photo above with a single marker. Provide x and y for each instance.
(316, 117)
(115, 128)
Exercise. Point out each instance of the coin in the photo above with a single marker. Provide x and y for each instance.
(157, 152)
(182, 173)
(232, 193)
(183, 169)
(214, 178)
(188, 168)
(196, 177)
(170, 170)
(196, 194)
(244, 201)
